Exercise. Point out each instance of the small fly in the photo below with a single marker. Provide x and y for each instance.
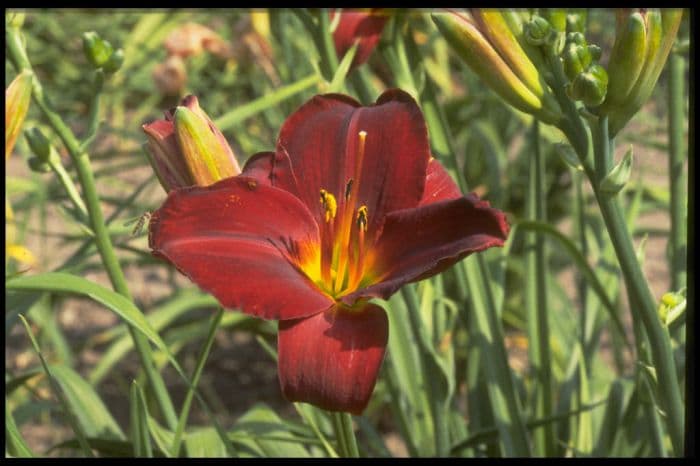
(140, 221)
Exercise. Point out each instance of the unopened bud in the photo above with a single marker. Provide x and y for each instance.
(17, 98)
(40, 146)
(97, 50)
(115, 61)
(187, 149)
(590, 87)
(537, 31)
(576, 22)
(556, 17)
(38, 165)
(576, 59)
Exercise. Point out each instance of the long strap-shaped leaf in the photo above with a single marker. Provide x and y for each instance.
(580, 261)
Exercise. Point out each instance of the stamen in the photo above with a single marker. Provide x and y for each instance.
(362, 218)
(359, 264)
(342, 250)
(329, 204)
(348, 188)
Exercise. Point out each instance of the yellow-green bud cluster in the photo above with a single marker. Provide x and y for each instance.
(643, 40)
(494, 45)
(588, 81)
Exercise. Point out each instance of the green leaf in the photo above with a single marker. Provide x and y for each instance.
(59, 282)
(204, 443)
(338, 81)
(139, 422)
(618, 176)
(568, 155)
(91, 412)
(261, 421)
(582, 264)
(16, 445)
(239, 114)
(159, 318)
(56, 389)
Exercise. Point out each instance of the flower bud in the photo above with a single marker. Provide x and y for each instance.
(187, 149)
(97, 50)
(473, 46)
(595, 51)
(115, 61)
(494, 27)
(38, 165)
(537, 31)
(661, 30)
(556, 17)
(17, 97)
(15, 19)
(576, 21)
(576, 59)
(38, 143)
(590, 86)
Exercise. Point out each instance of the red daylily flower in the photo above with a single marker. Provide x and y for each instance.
(363, 26)
(349, 207)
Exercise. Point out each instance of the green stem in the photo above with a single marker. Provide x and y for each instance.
(662, 355)
(86, 178)
(676, 113)
(68, 185)
(538, 326)
(347, 444)
(644, 389)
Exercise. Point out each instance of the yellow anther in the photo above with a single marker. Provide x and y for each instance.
(362, 218)
(329, 204)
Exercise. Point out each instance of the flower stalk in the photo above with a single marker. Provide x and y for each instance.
(677, 178)
(103, 242)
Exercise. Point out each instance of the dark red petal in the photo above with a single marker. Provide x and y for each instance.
(421, 242)
(273, 170)
(366, 27)
(332, 359)
(439, 185)
(321, 140)
(240, 241)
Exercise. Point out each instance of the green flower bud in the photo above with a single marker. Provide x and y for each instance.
(556, 18)
(576, 59)
(39, 166)
(595, 52)
(97, 50)
(115, 61)
(576, 22)
(537, 31)
(40, 146)
(15, 20)
(590, 87)
(661, 30)
(576, 38)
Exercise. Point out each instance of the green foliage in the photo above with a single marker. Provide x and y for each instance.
(461, 372)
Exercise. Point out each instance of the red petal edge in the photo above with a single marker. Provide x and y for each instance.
(239, 240)
(419, 243)
(332, 359)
